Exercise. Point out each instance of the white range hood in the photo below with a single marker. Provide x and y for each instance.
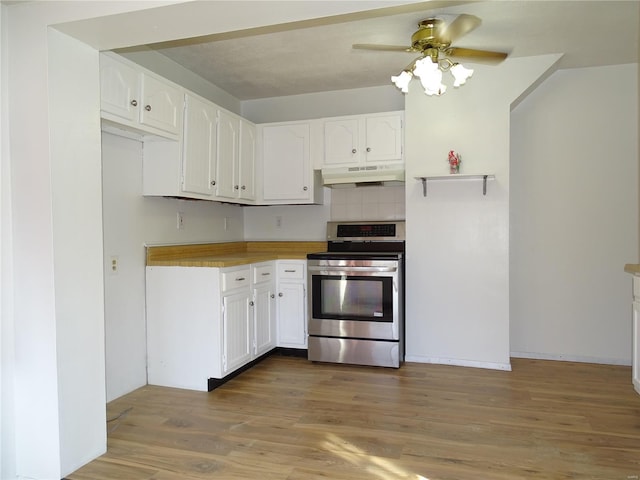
(342, 177)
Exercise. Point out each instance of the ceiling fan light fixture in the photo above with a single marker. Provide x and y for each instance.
(430, 76)
(402, 80)
(460, 74)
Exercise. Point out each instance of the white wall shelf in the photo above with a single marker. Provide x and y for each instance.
(456, 176)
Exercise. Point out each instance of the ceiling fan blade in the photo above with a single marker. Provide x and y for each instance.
(383, 48)
(478, 56)
(462, 25)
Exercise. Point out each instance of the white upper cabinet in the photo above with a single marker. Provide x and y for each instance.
(199, 147)
(363, 139)
(228, 145)
(136, 98)
(236, 158)
(247, 161)
(287, 175)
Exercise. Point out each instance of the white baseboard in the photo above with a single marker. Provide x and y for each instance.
(458, 362)
(571, 358)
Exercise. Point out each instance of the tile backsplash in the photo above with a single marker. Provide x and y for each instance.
(368, 203)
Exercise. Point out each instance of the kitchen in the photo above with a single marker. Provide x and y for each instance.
(479, 259)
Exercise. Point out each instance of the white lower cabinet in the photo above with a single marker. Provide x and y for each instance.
(205, 323)
(292, 304)
(635, 368)
(636, 346)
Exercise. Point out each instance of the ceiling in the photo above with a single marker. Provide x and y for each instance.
(315, 57)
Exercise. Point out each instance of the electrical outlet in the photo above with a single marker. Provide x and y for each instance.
(113, 265)
(279, 221)
(180, 220)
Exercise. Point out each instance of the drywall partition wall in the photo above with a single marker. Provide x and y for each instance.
(79, 300)
(574, 216)
(457, 279)
(130, 222)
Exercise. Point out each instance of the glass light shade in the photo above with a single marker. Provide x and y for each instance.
(430, 76)
(460, 74)
(402, 81)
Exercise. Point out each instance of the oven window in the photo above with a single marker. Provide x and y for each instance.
(352, 298)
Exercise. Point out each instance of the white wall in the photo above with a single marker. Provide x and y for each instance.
(457, 279)
(574, 210)
(132, 221)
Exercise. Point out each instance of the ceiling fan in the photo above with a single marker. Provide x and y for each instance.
(433, 41)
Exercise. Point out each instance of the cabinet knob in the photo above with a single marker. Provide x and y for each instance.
(251, 304)
(235, 187)
(368, 149)
(281, 294)
(243, 187)
(147, 108)
(273, 295)
(213, 182)
(134, 103)
(305, 188)
(353, 151)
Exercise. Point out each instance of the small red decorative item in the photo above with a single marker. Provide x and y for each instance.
(454, 162)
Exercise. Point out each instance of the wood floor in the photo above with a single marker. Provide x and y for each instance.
(288, 418)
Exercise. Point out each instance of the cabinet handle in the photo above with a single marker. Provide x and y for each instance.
(213, 182)
(240, 279)
(147, 108)
(368, 149)
(353, 151)
(251, 304)
(281, 294)
(235, 187)
(134, 103)
(290, 271)
(264, 274)
(305, 188)
(273, 295)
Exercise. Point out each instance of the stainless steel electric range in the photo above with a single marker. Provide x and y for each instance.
(356, 301)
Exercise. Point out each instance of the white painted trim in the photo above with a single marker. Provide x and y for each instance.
(458, 362)
(571, 358)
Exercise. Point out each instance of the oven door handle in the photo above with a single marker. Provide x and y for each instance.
(328, 270)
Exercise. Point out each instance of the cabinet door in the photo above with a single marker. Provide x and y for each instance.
(162, 105)
(199, 147)
(287, 162)
(635, 368)
(236, 331)
(227, 157)
(292, 316)
(247, 162)
(119, 89)
(383, 138)
(341, 142)
(264, 316)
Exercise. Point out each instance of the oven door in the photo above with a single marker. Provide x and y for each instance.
(354, 299)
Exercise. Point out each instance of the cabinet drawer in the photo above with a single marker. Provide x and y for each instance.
(636, 287)
(235, 279)
(263, 273)
(293, 271)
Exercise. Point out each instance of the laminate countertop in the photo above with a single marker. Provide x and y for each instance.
(229, 254)
(632, 268)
